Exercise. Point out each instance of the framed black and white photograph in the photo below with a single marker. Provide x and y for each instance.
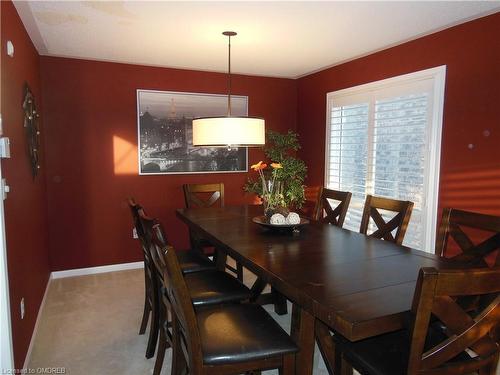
(165, 144)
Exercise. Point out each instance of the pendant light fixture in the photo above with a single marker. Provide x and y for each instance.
(228, 131)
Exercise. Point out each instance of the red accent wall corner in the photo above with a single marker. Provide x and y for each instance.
(26, 205)
(470, 160)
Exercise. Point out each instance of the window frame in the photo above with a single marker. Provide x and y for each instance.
(434, 137)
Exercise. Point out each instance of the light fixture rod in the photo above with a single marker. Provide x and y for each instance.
(229, 75)
(229, 34)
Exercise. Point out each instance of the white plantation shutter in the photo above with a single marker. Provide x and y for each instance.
(384, 139)
(348, 159)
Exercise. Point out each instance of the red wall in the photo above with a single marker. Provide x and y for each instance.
(25, 207)
(470, 178)
(86, 106)
(90, 130)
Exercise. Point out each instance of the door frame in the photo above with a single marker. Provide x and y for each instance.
(6, 347)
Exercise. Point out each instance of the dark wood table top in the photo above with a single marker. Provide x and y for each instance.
(357, 285)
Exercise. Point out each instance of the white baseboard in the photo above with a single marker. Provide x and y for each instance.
(35, 329)
(95, 270)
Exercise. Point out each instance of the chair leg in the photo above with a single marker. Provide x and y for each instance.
(179, 365)
(145, 316)
(288, 366)
(175, 355)
(490, 369)
(346, 368)
(153, 333)
(147, 306)
(160, 353)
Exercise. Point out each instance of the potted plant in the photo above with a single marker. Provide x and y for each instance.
(281, 181)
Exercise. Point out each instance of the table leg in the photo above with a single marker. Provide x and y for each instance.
(220, 260)
(330, 355)
(257, 288)
(279, 299)
(195, 241)
(275, 297)
(302, 331)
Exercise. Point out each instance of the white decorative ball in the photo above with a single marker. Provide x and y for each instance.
(293, 218)
(278, 219)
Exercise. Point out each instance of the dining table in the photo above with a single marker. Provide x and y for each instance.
(338, 280)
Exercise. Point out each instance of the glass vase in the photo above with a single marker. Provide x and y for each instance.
(272, 190)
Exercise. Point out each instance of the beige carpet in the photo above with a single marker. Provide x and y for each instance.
(90, 324)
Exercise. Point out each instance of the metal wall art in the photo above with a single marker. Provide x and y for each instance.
(31, 117)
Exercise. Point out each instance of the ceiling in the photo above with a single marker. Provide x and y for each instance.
(280, 39)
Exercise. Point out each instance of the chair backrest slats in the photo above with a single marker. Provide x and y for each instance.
(436, 295)
(135, 210)
(327, 213)
(454, 222)
(151, 226)
(384, 230)
(179, 297)
(195, 195)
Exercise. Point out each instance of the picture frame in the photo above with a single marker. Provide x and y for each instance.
(164, 132)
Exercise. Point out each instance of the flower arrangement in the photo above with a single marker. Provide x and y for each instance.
(271, 193)
(281, 182)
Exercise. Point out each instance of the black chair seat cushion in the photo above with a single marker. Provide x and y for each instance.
(386, 354)
(193, 261)
(239, 333)
(215, 287)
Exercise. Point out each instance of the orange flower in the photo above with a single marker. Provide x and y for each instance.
(276, 165)
(260, 165)
(256, 167)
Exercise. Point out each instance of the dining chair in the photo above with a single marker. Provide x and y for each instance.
(384, 230)
(468, 343)
(149, 291)
(191, 261)
(222, 339)
(327, 213)
(454, 224)
(205, 288)
(310, 208)
(203, 196)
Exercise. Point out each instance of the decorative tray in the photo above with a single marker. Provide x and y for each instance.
(262, 220)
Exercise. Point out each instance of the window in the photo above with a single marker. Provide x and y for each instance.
(384, 139)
